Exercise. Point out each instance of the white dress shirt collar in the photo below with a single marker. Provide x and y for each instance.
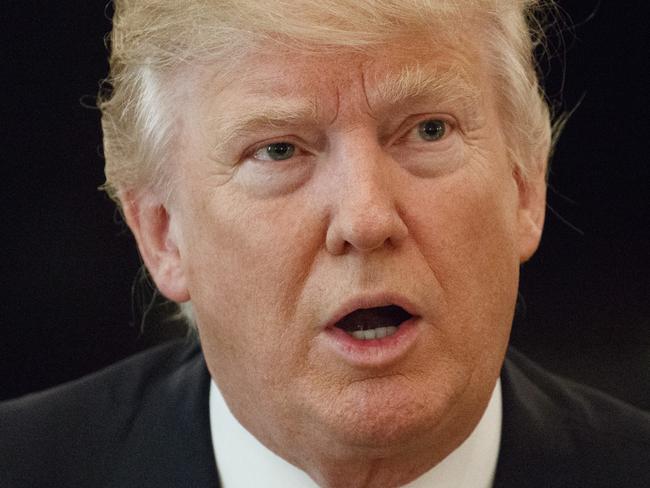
(244, 462)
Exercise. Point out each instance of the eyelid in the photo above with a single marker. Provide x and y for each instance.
(252, 150)
(450, 124)
(411, 124)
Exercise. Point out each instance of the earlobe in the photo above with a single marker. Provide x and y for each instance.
(531, 212)
(158, 242)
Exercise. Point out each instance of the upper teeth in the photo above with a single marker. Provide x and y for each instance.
(378, 333)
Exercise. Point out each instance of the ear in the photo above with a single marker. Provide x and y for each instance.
(157, 241)
(532, 209)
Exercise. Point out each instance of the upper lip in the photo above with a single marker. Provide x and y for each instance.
(371, 301)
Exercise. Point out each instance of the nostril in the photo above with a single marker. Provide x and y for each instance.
(365, 226)
(374, 231)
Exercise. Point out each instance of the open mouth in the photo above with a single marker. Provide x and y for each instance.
(374, 323)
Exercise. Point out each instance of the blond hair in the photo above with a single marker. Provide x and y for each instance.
(152, 39)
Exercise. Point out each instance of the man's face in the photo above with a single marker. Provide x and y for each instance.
(314, 186)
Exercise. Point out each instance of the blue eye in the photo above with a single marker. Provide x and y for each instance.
(432, 129)
(278, 151)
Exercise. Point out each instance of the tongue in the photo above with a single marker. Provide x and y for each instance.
(372, 318)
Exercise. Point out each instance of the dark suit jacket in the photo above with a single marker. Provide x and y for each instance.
(144, 423)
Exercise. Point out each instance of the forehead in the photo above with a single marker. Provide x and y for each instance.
(388, 71)
(279, 85)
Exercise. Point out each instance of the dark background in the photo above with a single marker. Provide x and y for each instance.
(68, 263)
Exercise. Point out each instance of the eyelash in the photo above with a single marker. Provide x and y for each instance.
(448, 126)
(297, 151)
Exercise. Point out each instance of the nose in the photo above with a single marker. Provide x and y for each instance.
(365, 213)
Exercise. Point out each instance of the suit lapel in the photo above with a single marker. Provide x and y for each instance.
(536, 450)
(167, 443)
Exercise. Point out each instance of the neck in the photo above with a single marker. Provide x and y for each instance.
(389, 464)
(379, 473)
(468, 459)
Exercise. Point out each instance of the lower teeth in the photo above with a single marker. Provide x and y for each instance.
(378, 333)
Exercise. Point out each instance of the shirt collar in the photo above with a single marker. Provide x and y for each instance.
(243, 461)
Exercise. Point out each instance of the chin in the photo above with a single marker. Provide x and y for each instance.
(385, 415)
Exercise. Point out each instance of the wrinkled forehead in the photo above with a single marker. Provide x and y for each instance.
(390, 74)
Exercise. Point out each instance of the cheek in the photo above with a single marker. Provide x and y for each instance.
(246, 265)
(466, 230)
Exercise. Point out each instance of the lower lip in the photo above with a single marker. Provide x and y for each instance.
(374, 352)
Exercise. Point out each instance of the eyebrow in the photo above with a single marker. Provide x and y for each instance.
(415, 82)
(412, 82)
(267, 113)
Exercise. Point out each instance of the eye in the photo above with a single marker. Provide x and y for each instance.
(432, 129)
(278, 151)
